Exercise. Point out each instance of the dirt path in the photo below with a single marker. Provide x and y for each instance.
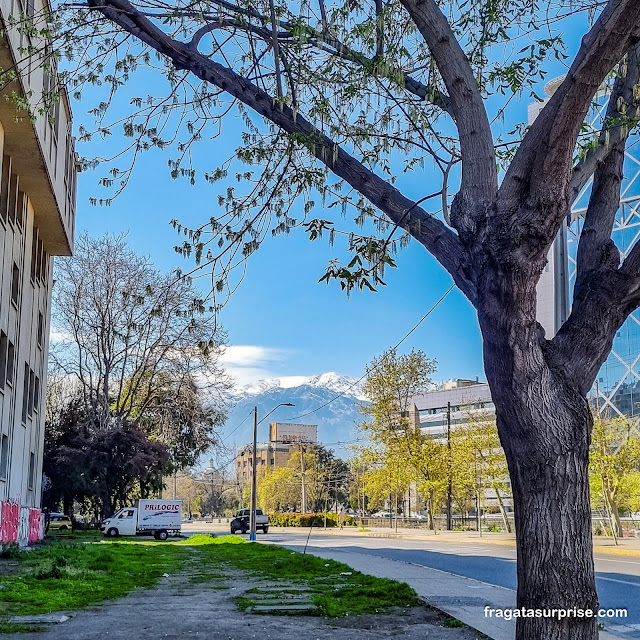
(194, 604)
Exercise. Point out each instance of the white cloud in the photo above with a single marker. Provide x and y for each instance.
(250, 363)
(59, 335)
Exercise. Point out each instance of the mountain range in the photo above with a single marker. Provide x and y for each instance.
(331, 401)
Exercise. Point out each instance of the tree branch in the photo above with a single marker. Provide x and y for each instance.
(479, 174)
(596, 250)
(540, 171)
(615, 127)
(318, 38)
(440, 241)
(604, 294)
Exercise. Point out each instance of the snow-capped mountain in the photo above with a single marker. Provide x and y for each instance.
(329, 400)
(330, 381)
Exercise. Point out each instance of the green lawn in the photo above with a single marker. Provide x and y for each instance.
(78, 570)
(70, 575)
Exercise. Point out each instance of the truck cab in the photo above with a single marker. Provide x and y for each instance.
(122, 523)
(241, 521)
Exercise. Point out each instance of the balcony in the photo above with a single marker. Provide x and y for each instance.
(42, 153)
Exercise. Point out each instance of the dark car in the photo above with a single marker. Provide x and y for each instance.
(241, 521)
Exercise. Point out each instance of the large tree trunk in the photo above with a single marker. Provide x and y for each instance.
(544, 424)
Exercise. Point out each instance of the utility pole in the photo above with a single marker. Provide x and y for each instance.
(254, 486)
(304, 486)
(254, 467)
(364, 495)
(175, 485)
(449, 488)
(478, 515)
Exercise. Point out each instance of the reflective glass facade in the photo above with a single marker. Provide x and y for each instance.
(616, 391)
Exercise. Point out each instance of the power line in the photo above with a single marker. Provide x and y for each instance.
(339, 395)
(234, 430)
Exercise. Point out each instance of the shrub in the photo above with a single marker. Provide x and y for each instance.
(308, 520)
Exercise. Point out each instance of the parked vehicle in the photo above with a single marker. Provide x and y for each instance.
(241, 521)
(59, 521)
(147, 517)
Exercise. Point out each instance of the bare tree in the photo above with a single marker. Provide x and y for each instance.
(140, 347)
(343, 90)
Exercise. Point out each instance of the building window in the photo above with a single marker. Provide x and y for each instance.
(10, 363)
(22, 209)
(12, 204)
(38, 266)
(32, 471)
(34, 254)
(40, 334)
(4, 187)
(32, 390)
(4, 345)
(25, 394)
(36, 393)
(15, 284)
(4, 457)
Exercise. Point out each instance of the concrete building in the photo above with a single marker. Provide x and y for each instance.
(460, 397)
(284, 439)
(37, 214)
(451, 404)
(269, 455)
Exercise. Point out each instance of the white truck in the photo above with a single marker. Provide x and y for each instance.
(147, 517)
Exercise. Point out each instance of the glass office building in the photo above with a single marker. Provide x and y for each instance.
(616, 391)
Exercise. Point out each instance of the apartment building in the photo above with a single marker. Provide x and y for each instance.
(268, 455)
(37, 213)
(284, 439)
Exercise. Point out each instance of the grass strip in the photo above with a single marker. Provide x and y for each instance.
(70, 575)
(334, 595)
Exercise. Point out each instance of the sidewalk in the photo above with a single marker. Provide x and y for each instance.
(195, 603)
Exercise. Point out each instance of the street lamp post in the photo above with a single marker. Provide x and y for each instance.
(254, 467)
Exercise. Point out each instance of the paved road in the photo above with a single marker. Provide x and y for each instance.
(618, 578)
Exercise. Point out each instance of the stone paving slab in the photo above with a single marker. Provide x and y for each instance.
(47, 618)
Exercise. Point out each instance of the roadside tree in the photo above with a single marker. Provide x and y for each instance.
(479, 462)
(138, 348)
(100, 468)
(614, 466)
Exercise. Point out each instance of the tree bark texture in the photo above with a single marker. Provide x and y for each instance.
(544, 424)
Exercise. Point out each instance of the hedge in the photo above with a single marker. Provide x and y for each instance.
(308, 520)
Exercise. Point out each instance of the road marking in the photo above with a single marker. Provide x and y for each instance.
(611, 560)
(633, 584)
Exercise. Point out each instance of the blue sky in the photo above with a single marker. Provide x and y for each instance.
(296, 325)
(281, 321)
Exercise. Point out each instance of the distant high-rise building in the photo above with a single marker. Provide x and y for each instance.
(37, 215)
